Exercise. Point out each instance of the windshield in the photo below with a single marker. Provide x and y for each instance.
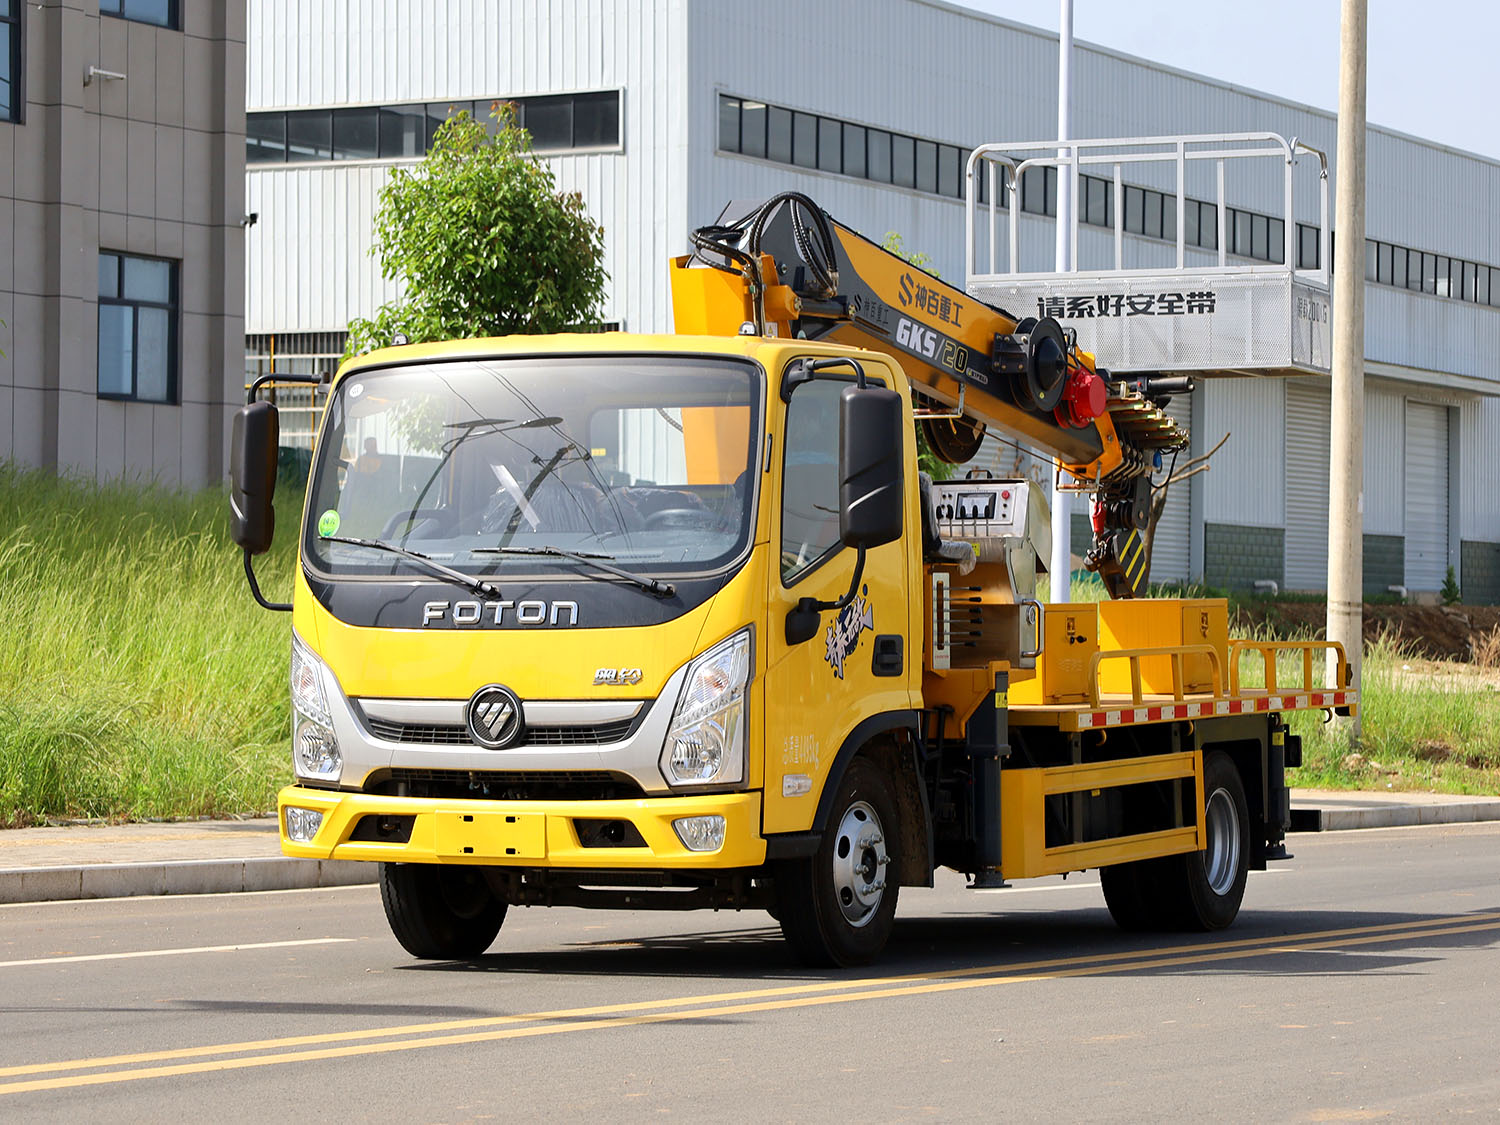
(645, 461)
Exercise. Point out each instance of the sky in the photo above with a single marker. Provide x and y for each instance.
(1430, 67)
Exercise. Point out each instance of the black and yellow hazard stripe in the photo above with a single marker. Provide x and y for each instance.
(1131, 550)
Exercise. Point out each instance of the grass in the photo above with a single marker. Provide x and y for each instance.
(1425, 725)
(138, 678)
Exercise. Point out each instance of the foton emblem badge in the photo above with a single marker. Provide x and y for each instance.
(494, 717)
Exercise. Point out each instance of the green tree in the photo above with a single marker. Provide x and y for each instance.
(1451, 593)
(482, 242)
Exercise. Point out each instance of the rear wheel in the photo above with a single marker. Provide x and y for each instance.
(838, 906)
(1198, 890)
(438, 912)
(1129, 894)
(1213, 880)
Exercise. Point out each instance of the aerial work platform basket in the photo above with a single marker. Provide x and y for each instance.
(1200, 313)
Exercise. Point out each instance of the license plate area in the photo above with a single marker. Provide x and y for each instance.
(491, 835)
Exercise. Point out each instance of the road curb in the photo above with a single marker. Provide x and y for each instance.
(1393, 816)
(184, 877)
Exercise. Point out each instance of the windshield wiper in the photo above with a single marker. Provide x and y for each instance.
(592, 558)
(469, 582)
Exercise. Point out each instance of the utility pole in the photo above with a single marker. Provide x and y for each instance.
(1061, 569)
(1346, 449)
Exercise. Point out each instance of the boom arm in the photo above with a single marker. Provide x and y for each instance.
(786, 267)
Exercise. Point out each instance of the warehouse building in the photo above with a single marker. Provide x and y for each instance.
(121, 246)
(660, 111)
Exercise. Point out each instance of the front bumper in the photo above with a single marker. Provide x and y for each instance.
(531, 834)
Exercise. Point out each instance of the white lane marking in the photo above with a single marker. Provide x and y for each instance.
(172, 952)
(140, 899)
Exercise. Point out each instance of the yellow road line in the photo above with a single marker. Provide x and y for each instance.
(778, 999)
(721, 997)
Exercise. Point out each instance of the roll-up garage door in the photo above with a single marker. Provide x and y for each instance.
(1426, 495)
(1307, 428)
(1169, 545)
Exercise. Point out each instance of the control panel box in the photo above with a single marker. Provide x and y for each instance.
(1005, 521)
(977, 510)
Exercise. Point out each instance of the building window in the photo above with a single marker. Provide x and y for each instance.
(163, 13)
(828, 144)
(556, 122)
(1307, 250)
(10, 60)
(1098, 201)
(137, 328)
(1039, 191)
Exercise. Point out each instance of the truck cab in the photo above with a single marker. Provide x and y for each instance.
(623, 683)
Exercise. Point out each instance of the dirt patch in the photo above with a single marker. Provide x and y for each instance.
(1435, 632)
(1441, 753)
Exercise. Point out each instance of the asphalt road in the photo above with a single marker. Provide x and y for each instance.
(1360, 982)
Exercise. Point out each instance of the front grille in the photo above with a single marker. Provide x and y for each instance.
(506, 785)
(434, 734)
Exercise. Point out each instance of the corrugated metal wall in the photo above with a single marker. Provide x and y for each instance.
(1426, 495)
(1385, 461)
(1247, 482)
(1169, 546)
(1479, 477)
(1307, 442)
(306, 273)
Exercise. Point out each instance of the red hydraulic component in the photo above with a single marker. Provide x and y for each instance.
(1083, 399)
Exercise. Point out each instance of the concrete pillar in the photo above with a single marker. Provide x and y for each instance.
(1346, 452)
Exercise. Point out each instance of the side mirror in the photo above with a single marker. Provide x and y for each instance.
(871, 494)
(252, 476)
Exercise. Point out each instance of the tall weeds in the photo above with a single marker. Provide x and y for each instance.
(137, 676)
(1418, 731)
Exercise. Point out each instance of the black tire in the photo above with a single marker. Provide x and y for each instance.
(1129, 892)
(440, 912)
(838, 906)
(1197, 891)
(1213, 880)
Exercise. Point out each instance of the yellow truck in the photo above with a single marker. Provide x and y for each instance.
(676, 622)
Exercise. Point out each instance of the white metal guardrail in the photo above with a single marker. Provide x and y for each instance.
(1195, 315)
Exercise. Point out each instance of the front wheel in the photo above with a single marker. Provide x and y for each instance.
(440, 912)
(838, 906)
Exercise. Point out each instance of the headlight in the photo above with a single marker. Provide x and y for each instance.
(307, 682)
(706, 738)
(315, 749)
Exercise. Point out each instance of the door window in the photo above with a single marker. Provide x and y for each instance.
(809, 478)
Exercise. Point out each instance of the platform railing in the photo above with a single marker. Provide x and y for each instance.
(1174, 653)
(1115, 154)
(1268, 651)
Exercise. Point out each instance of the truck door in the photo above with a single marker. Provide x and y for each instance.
(860, 661)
